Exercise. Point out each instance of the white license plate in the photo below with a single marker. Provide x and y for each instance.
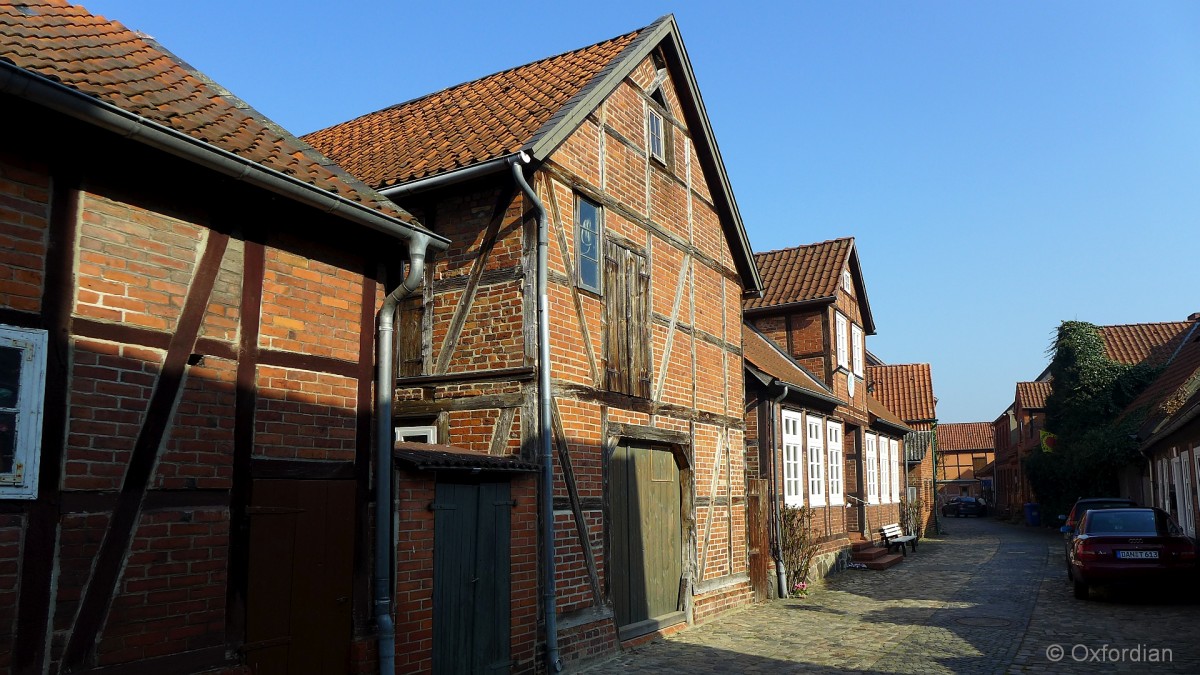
(1137, 554)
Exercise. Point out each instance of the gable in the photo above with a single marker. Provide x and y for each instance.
(810, 275)
(484, 125)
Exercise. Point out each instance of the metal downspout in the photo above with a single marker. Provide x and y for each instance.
(777, 544)
(384, 392)
(546, 504)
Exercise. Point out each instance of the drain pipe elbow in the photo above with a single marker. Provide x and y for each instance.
(554, 661)
(418, 246)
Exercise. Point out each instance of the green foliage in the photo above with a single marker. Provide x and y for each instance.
(1085, 411)
(799, 542)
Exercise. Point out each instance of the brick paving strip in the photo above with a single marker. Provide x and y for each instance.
(988, 598)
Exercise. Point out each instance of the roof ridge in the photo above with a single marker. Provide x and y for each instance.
(1146, 323)
(801, 246)
(396, 106)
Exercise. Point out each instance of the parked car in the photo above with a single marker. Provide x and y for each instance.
(1129, 545)
(964, 506)
(1081, 507)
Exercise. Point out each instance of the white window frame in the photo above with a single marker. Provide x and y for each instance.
(793, 458)
(1186, 520)
(22, 481)
(856, 343)
(653, 119)
(816, 460)
(847, 281)
(842, 323)
(885, 471)
(895, 470)
(871, 464)
(427, 430)
(833, 441)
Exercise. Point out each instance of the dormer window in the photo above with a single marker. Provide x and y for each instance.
(847, 282)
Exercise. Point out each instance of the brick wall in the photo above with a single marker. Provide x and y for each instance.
(11, 527)
(24, 209)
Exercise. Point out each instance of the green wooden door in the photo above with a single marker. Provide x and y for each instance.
(646, 561)
(471, 577)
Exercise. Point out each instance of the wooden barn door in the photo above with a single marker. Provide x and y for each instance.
(300, 578)
(757, 520)
(646, 564)
(471, 577)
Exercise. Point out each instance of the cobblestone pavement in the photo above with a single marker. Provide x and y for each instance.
(985, 597)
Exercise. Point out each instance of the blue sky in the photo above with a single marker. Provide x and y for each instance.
(1003, 166)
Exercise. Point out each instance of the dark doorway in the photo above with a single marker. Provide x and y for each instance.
(471, 577)
(300, 578)
(646, 563)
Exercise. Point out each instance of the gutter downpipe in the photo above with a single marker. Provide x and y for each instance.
(418, 246)
(546, 504)
(777, 547)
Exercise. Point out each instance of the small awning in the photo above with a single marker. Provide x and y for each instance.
(437, 457)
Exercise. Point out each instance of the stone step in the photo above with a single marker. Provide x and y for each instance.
(870, 553)
(860, 545)
(884, 562)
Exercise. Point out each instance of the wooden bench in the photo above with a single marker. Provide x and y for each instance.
(895, 539)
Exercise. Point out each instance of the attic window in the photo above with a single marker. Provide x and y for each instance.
(847, 282)
(658, 130)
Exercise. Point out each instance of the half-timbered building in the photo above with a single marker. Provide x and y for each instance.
(589, 215)
(848, 457)
(188, 297)
(907, 390)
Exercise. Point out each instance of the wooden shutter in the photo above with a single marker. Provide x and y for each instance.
(627, 349)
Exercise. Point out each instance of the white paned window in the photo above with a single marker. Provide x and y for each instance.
(22, 398)
(654, 134)
(842, 355)
(793, 460)
(856, 343)
(833, 436)
(896, 464)
(871, 461)
(885, 471)
(847, 282)
(816, 462)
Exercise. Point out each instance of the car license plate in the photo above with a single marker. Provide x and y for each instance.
(1137, 554)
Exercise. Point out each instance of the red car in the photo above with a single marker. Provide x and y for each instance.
(1113, 546)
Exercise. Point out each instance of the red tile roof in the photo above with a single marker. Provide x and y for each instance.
(802, 273)
(954, 437)
(107, 61)
(906, 389)
(1149, 343)
(467, 124)
(764, 354)
(1168, 393)
(1032, 395)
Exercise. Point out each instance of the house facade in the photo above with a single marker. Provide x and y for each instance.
(591, 179)
(814, 309)
(907, 390)
(188, 298)
(964, 450)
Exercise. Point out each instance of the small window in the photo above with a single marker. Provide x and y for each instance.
(587, 243)
(847, 282)
(654, 135)
(416, 434)
(22, 392)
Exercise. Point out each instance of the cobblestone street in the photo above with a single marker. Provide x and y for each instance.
(985, 597)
